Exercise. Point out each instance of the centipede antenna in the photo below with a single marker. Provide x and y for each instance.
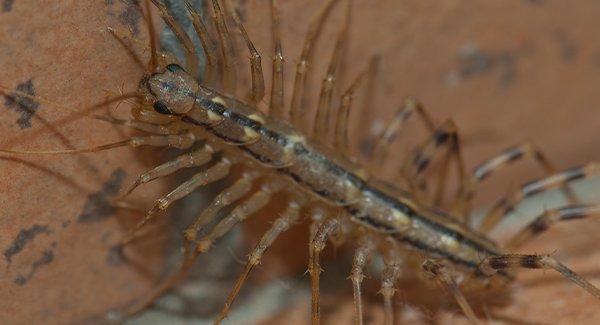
(71, 151)
(121, 39)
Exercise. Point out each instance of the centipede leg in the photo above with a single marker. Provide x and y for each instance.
(218, 171)
(382, 143)
(341, 139)
(191, 60)
(209, 49)
(322, 122)
(281, 224)
(153, 63)
(297, 110)
(446, 134)
(506, 157)
(314, 267)
(362, 256)
(228, 196)
(276, 106)
(490, 265)
(438, 272)
(507, 204)
(227, 50)
(191, 159)
(548, 218)
(258, 80)
(246, 208)
(391, 274)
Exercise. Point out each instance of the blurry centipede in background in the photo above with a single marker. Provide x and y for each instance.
(315, 171)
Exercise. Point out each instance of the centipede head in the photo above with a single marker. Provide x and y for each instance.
(168, 90)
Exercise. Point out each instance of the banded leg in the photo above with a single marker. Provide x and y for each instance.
(445, 134)
(548, 218)
(504, 158)
(322, 122)
(289, 217)
(362, 257)
(341, 139)
(490, 265)
(394, 127)
(209, 49)
(248, 207)
(437, 271)
(153, 63)
(297, 110)
(227, 51)
(314, 268)
(191, 159)
(507, 204)
(218, 171)
(258, 80)
(228, 196)
(276, 107)
(391, 274)
(191, 60)
(164, 286)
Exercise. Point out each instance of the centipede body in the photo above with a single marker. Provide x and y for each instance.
(290, 54)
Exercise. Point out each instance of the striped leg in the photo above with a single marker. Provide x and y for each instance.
(209, 48)
(276, 106)
(445, 135)
(504, 158)
(507, 204)
(289, 217)
(218, 171)
(191, 60)
(382, 143)
(491, 264)
(322, 122)
(258, 80)
(297, 109)
(317, 245)
(437, 271)
(391, 274)
(227, 50)
(548, 218)
(362, 257)
(341, 139)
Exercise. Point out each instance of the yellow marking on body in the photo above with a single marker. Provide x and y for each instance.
(400, 219)
(218, 100)
(213, 117)
(257, 118)
(250, 134)
(449, 241)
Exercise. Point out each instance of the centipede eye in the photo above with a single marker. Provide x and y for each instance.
(174, 67)
(161, 108)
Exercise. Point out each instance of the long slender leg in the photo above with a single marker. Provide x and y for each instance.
(391, 274)
(504, 158)
(165, 285)
(445, 134)
(258, 80)
(548, 218)
(297, 110)
(228, 196)
(218, 171)
(227, 51)
(362, 256)
(153, 40)
(281, 224)
(437, 271)
(314, 268)
(507, 204)
(394, 127)
(191, 159)
(341, 138)
(276, 107)
(208, 47)
(322, 122)
(254, 203)
(491, 264)
(191, 60)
